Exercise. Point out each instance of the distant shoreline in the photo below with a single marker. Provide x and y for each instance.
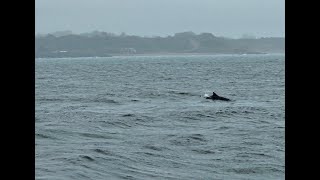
(184, 43)
(164, 54)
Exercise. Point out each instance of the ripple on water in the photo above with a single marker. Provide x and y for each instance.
(146, 118)
(188, 140)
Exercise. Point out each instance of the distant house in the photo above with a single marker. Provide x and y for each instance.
(128, 51)
(59, 51)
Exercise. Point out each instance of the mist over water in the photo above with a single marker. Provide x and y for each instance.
(145, 117)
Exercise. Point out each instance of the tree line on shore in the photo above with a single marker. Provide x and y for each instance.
(101, 44)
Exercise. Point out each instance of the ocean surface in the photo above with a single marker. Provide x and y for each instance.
(145, 117)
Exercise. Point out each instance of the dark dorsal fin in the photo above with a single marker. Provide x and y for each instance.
(214, 94)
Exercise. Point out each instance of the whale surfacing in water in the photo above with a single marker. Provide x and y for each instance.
(216, 97)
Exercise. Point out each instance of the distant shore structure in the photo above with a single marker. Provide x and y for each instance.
(128, 51)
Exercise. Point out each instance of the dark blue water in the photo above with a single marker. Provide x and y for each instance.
(145, 117)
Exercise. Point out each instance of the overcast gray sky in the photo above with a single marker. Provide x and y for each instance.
(230, 18)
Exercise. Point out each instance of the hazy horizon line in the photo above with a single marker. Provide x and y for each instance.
(245, 35)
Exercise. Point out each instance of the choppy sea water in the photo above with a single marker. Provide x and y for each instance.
(145, 117)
